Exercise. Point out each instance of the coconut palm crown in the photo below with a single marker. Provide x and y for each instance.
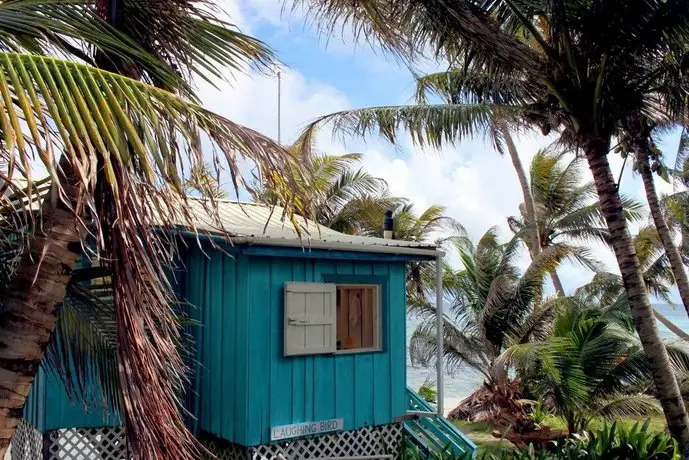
(580, 68)
(76, 102)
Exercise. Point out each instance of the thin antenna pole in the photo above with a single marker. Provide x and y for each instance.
(279, 97)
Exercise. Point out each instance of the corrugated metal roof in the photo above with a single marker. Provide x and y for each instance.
(256, 223)
(261, 224)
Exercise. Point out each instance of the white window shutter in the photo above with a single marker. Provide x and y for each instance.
(310, 314)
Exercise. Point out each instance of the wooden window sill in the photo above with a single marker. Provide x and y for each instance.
(354, 351)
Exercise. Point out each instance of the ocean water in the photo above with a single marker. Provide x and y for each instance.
(464, 381)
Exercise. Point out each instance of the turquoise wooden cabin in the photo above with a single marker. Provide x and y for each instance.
(300, 349)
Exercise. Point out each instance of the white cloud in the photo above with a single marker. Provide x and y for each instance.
(478, 187)
(251, 99)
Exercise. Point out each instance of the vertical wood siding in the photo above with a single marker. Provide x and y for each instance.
(246, 385)
(215, 284)
(48, 406)
(242, 385)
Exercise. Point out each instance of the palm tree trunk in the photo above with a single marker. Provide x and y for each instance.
(670, 325)
(557, 284)
(29, 315)
(671, 250)
(571, 424)
(596, 150)
(529, 204)
(530, 207)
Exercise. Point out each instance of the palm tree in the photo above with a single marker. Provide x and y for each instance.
(348, 199)
(492, 306)
(589, 367)
(581, 68)
(606, 289)
(500, 133)
(114, 148)
(648, 160)
(339, 194)
(676, 205)
(567, 209)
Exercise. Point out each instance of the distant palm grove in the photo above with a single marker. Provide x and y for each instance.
(103, 140)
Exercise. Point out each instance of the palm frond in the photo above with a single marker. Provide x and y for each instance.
(531, 283)
(586, 223)
(564, 375)
(201, 178)
(72, 28)
(457, 86)
(604, 287)
(630, 371)
(433, 125)
(124, 147)
(537, 325)
(682, 160)
(350, 184)
(190, 36)
(628, 406)
(124, 120)
(524, 355)
(427, 391)
(451, 30)
(679, 355)
(634, 210)
(362, 215)
(82, 351)
(459, 348)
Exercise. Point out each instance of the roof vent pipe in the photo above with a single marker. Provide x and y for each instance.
(387, 225)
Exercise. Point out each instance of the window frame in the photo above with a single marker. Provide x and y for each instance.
(383, 281)
(377, 319)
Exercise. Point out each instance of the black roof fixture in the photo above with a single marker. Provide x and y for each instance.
(388, 225)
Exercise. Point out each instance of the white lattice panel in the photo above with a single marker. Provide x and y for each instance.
(27, 442)
(107, 443)
(224, 450)
(378, 440)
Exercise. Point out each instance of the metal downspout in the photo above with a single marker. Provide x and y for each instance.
(440, 330)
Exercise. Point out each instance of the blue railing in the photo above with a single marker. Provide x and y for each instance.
(433, 434)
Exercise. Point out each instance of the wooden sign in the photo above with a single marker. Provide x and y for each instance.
(305, 429)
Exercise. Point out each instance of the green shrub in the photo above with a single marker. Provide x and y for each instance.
(540, 413)
(611, 442)
(428, 392)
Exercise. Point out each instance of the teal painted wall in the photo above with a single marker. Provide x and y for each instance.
(242, 385)
(48, 406)
(34, 409)
(214, 286)
(245, 385)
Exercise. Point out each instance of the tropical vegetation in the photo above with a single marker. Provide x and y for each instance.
(566, 207)
(583, 71)
(609, 442)
(107, 109)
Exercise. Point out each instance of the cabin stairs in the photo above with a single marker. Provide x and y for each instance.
(429, 434)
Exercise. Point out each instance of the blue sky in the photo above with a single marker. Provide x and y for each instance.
(321, 76)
